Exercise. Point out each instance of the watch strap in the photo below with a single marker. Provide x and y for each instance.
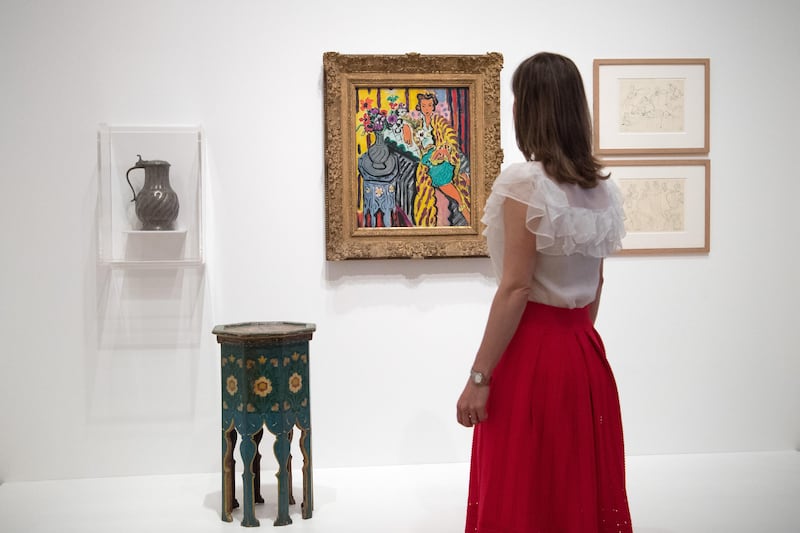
(478, 378)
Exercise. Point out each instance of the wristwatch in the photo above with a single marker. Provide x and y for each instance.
(478, 378)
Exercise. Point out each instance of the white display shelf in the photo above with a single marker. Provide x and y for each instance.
(150, 265)
(121, 242)
(155, 249)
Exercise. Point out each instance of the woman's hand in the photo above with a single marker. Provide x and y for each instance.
(471, 406)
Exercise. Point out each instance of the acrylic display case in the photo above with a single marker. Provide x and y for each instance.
(122, 243)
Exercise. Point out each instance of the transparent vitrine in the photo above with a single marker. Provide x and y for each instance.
(122, 239)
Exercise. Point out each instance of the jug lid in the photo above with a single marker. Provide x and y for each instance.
(150, 162)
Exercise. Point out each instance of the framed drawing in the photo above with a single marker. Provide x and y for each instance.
(666, 205)
(651, 106)
(412, 148)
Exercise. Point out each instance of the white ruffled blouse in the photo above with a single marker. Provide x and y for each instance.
(575, 228)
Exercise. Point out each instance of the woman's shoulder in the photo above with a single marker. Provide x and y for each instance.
(529, 175)
(534, 170)
(528, 179)
(610, 192)
(526, 170)
(532, 177)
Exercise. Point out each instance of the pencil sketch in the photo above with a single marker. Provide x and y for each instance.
(654, 205)
(651, 105)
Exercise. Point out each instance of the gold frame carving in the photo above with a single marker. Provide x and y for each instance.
(344, 75)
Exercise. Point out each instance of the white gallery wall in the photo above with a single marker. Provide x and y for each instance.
(108, 373)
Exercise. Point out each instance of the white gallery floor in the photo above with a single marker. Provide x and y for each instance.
(713, 493)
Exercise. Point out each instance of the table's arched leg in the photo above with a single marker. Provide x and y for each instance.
(228, 467)
(248, 451)
(257, 468)
(289, 469)
(282, 445)
(308, 481)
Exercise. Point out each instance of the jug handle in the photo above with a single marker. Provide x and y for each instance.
(129, 180)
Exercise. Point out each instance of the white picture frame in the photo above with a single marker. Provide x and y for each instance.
(667, 205)
(651, 106)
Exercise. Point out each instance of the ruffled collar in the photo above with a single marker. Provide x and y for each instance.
(565, 218)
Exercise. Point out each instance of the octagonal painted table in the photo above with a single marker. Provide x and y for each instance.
(265, 384)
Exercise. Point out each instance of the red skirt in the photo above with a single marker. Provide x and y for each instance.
(550, 457)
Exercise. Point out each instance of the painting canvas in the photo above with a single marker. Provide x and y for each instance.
(413, 157)
(412, 148)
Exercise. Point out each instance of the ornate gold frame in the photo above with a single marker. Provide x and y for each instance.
(344, 74)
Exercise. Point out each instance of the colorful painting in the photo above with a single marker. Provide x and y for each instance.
(412, 146)
(412, 152)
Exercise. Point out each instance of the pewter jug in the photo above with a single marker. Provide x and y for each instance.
(156, 202)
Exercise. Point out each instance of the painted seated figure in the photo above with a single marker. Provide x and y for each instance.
(442, 167)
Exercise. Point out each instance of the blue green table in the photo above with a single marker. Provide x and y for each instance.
(265, 384)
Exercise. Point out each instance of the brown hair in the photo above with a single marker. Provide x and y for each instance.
(551, 119)
(426, 96)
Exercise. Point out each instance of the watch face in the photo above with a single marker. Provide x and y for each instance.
(477, 378)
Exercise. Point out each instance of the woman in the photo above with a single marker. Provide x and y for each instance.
(440, 164)
(547, 452)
